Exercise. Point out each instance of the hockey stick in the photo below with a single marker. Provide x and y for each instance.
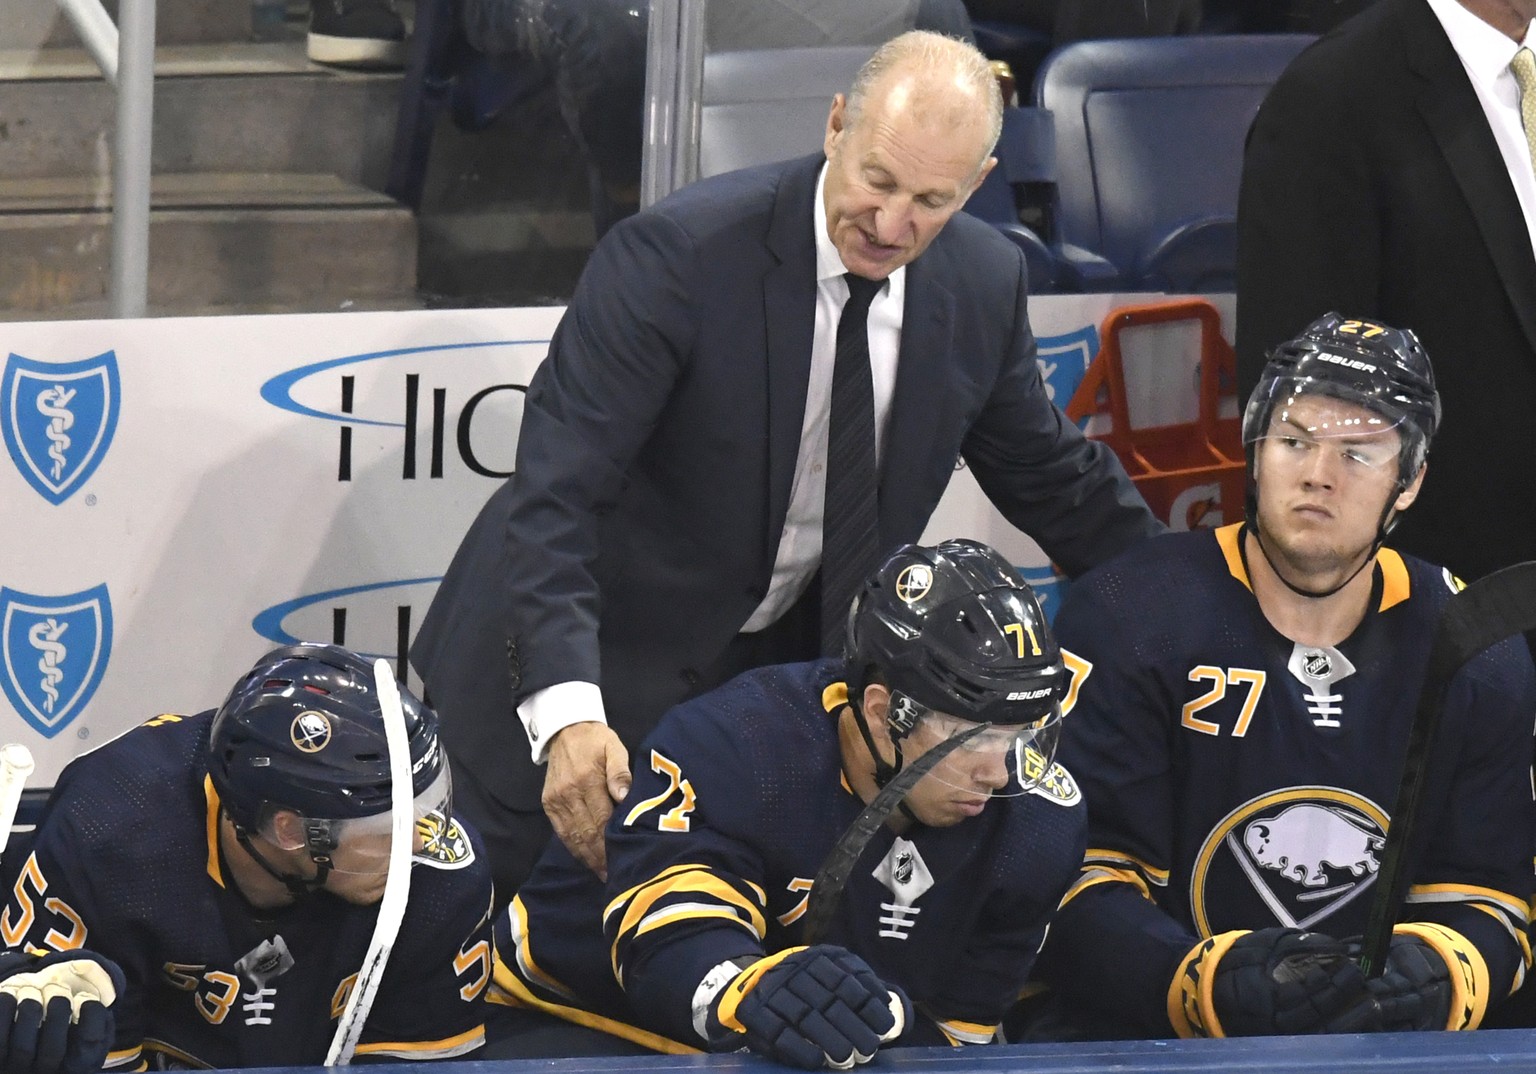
(397, 880)
(833, 875)
(1487, 611)
(15, 766)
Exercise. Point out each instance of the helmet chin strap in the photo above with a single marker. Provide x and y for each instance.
(317, 840)
(884, 770)
(1383, 527)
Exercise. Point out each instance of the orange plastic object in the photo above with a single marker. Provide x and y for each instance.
(1191, 473)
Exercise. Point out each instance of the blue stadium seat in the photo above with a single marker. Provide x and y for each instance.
(1149, 152)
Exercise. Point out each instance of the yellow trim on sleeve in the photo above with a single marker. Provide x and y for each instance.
(1102, 856)
(695, 880)
(1097, 874)
(458, 1044)
(517, 995)
(125, 1057)
(1469, 973)
(1513, 905)
(960, 1033)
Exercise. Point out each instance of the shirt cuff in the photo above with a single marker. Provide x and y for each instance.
(547, 712)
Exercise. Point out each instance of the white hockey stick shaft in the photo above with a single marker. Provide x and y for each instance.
(396, 881)
(15, 766)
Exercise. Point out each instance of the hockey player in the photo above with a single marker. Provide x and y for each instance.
(1243, 704)
(742, 793)
(231, 864)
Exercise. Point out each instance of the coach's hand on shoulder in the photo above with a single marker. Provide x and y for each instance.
(810, 1007)
(56, 1011)
(1274, 981)
(588, 772)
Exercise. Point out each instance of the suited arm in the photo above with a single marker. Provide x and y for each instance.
(1309, 231)
(1067, 492)
(612, 365)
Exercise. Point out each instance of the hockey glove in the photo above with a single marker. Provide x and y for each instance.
(809, 1007)
(1275, 980)
(55, 1011)
(1417, 990)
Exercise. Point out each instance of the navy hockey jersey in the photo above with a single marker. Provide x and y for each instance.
(126, 863)
(737, 799)
(1238, 780)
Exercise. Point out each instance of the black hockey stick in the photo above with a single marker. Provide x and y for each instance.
(833, 875)
(1487, 611)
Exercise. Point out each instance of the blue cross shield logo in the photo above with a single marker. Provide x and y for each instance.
(55, 650)
(58, 419)
(1064, 359)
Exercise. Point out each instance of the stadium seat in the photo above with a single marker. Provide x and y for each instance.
(1149, 151)
(761, 105)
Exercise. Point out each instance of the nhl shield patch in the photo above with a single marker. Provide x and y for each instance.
(58, 419)
(55, 651)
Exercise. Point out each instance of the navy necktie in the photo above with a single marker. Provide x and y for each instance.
(850, 535)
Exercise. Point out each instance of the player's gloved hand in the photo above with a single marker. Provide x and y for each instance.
(1272, 981)
(1417, 988)
(809, 1007)
(56, 1011)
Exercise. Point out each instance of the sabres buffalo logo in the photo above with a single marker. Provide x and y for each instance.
(1298, 855)
(913, 583)
(311, 731)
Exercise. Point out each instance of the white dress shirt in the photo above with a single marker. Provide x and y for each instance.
(546, 712)
(1485, 53)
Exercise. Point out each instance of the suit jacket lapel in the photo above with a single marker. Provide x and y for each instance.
(1456, 121)
(789, 301)
(926, 359)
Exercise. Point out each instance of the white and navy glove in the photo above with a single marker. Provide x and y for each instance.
(815, 1008)
(56, 1011)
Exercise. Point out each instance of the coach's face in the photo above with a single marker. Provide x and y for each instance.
(898, 168)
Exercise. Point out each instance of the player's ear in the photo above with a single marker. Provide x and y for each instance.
(1411, 493)
(286, 830)
(877, 702)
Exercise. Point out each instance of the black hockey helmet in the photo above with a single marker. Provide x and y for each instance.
(956, 629)
(1384, 370)
(303, 730)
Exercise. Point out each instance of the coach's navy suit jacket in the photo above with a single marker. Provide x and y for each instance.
(659, 441)
(1373, 186)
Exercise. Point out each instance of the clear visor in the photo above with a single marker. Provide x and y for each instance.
(1004, 761)
(362, 843)
(1303, 429)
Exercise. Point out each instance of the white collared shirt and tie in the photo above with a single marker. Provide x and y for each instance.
(554, 708)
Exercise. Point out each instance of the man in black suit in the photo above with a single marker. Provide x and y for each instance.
(664, 528)
(1388, 174)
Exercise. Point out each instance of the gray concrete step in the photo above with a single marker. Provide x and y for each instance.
(218, 108)
(218, 243)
